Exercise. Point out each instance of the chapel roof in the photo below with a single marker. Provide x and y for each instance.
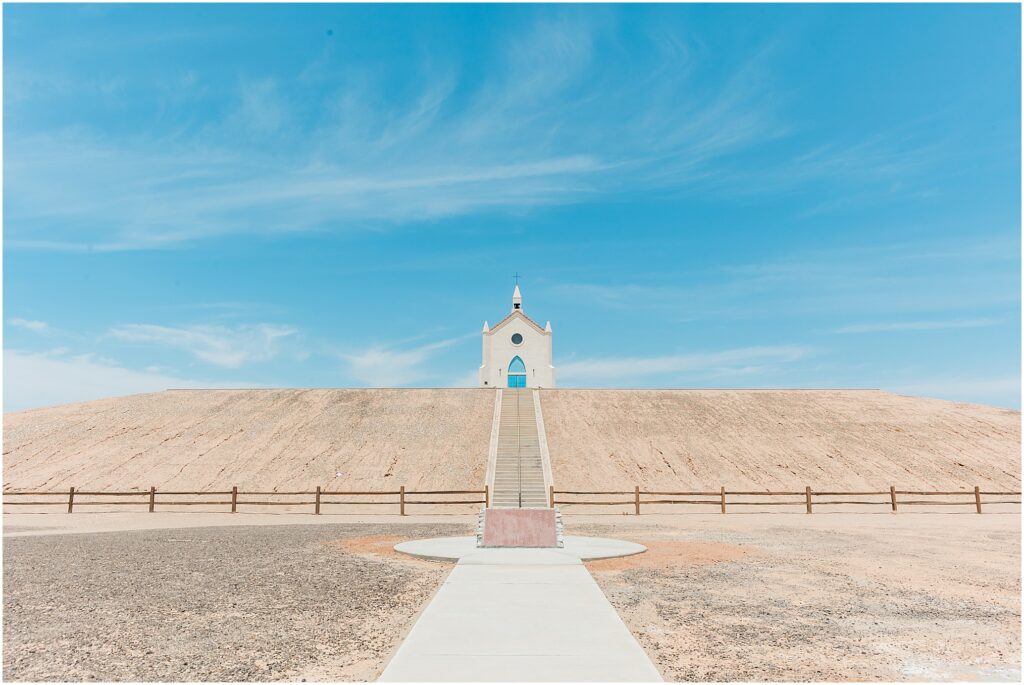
(518, 313)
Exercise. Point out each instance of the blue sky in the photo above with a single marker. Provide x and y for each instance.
(695, 196)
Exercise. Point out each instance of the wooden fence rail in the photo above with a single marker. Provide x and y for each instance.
(808, 498)
(72, 498)
(402, 497)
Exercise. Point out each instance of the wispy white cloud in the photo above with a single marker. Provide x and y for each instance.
(895, 280)
(157, 199)
(534, 133)
(470, 379)
(29, 325)
(915, 326)
(34, 380)
(261, 109)
(1001, 391)
(386, 366)
(639, 370)
(332, 148)
(218, 345)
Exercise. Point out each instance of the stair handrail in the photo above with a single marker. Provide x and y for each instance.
(519, 443)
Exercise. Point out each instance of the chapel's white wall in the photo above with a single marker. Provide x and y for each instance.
(535, 351)
(484, 367)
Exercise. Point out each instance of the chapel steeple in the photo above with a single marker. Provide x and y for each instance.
(517, 299)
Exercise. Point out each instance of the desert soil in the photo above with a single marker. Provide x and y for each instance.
(776, 439)
(324, 602)
(834, 597)
(438, 439)
(256, 440)
(829, 598)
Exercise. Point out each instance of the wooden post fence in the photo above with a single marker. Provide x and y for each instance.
(620, 498)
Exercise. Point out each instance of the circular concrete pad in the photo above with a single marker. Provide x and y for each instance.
(576, 548)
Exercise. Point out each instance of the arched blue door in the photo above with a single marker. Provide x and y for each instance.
(516, 373)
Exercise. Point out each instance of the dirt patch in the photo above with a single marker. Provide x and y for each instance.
(666, 554)
(377, 546)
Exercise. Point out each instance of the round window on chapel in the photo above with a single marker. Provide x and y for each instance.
(517, 339)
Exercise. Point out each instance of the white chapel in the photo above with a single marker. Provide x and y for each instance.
(517, 351)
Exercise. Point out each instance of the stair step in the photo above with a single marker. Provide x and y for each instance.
(519, 468)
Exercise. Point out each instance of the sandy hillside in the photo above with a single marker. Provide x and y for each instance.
(700, 439)
(438, 439)
(255, 439)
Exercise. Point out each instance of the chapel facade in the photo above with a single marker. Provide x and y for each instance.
(517, 351)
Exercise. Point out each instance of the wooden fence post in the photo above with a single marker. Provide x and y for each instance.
(71, 499)
(316, 510)
(487, 496)
(977, 498)
(809, 510)
(892, 496)
(234, 498)
(551, 496)
(401, 500)
(637, 500)
(152, 498)
(723, 499)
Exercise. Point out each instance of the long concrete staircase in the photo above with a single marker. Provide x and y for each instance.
(519, 468)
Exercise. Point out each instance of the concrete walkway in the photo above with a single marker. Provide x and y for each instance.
(576, 547)
(520, 615)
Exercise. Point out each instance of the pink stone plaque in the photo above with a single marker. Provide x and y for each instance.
(520, 528)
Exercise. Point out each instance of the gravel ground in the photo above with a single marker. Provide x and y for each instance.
(716, 598)
(327, 602)
(938, 600)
